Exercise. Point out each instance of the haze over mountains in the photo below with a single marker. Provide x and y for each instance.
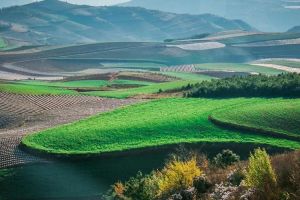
(56, 22)
(265, 15)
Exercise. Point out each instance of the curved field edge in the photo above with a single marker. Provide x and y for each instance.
(150, 124)
(241, 127)
(158, 148)
(280, 119)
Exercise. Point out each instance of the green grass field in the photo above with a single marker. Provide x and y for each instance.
(34, 89)
(150, 89)
(238, 67)
(279, 117)
(156, 123)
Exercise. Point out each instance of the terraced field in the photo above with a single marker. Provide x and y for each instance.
(157, 123)
(237, 67)
(84, 83)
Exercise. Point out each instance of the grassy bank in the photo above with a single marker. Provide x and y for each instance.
(156, 123)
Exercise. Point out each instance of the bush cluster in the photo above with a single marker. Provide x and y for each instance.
(282, 85)
(187, 178)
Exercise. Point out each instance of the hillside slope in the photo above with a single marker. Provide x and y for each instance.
(56, 22)
(295, 29)
(265, 15)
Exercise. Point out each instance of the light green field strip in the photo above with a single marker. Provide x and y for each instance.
(84, 83)
(238, 68)
(34, 89)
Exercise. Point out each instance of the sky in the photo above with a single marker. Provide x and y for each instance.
(7, 3)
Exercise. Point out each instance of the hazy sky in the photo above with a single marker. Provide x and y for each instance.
(6, 3)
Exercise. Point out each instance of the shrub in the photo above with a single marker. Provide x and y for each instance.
(236, 176)
(201, 184)
(177, 176)
(287, 168)
(118, 191)
(225, 159)
(223, 192)
(260, 174)
(139, 187)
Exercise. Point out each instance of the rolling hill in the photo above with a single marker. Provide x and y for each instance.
(295, 29)
(265, 15)
(56, 22)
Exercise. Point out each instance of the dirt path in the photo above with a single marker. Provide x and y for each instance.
(280, 67)
(11, 155)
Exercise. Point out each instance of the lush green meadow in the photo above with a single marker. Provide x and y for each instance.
(238, 67)
(282, 117)
(156, 123)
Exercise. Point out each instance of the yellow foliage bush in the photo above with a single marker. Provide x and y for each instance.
(260, 174)
(178, 175)
(118, 189)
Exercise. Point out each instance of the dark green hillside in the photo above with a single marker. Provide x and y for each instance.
(283, 85)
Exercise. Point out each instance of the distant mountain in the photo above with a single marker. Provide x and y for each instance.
(295, 29)
(56, 22)
(265, 15)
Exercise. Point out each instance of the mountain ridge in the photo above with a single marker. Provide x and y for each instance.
(56, 22)
(265, 15)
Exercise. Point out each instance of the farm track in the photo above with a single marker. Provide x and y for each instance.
(31, 113)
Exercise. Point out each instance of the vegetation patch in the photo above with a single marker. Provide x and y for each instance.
(84, 83)
(283, 85)
(190, 176)
(156, 123)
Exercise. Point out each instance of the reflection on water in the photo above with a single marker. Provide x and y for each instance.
(87, 179)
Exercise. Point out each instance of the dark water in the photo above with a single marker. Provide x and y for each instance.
(87, 179)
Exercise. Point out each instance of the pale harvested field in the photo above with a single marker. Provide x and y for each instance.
(199, 46)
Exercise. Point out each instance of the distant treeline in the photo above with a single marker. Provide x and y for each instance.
(283, 85)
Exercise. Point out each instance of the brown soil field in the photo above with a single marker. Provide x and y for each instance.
(25, 114)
